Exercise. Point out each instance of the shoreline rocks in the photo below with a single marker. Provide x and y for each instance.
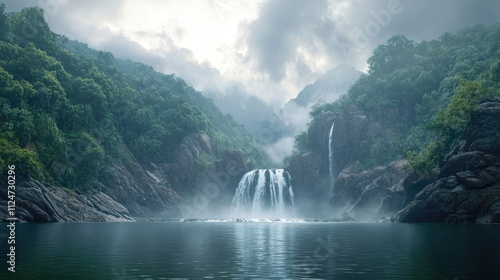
(468, 186)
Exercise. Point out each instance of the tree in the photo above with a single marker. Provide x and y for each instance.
(26, 160)
(4, 28)
(29, 25)
(87, 91)
(388, 57)
(19, 122)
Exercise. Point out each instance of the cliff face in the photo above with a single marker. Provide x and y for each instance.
(185, 187)
(207, 187)
(352, 134)
(362, 196)
(467, 189)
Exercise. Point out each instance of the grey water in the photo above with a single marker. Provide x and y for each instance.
(253, 250)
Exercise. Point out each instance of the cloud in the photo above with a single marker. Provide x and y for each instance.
(244, 53)
(272, 48)
(168, 59)
(366, 24)
(279, 150)
(282, 26)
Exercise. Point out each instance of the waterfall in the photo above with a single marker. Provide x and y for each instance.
(330, 159)
(263, 192)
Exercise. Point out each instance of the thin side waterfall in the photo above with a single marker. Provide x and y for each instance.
(263, 192)
(330, 159)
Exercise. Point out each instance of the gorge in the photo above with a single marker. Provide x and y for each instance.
(245, 143)
(123, 142)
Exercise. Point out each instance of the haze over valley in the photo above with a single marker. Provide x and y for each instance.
(260, 139)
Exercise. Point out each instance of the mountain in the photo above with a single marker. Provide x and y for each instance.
(418, 132)
(328, 88)
(91, 137)
(274, 129)
(256, 116)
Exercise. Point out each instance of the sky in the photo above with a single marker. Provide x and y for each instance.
(268, 49)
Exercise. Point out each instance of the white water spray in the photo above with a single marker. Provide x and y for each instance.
(330, 159)
(263, 192)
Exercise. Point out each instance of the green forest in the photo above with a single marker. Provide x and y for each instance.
(432, 85)
(68, 111)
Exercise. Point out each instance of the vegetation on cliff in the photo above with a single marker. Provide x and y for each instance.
(423, 94)
(67, 111)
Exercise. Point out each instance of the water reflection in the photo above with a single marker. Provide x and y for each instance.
(255, 250)
(266, 246)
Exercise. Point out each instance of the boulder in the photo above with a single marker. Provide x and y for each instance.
(363, 195)
(468, 187)
(41, 202)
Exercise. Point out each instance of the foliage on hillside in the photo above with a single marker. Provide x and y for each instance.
(431, 87)
(67, 111)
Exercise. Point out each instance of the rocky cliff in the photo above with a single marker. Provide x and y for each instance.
(352, 134)
(464, 189)
(362, 195)
(467, 188)
(206, 184)
(184, 187)
(39, 202)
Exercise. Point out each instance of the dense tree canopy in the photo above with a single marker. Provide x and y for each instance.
(68, 111)
(432, 85)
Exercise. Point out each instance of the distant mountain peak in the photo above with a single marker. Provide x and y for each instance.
(328, 87)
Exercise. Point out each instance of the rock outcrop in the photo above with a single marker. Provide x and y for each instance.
(362, 196)
(190, 184)
(464, 189)
(310, 170)
(353, 132)
(206, 184)
(467, 189)
(143, 189)
(38, 202)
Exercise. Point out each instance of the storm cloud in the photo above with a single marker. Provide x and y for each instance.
(282, 27)
(252, 57)
(279, 47)
(348, 31)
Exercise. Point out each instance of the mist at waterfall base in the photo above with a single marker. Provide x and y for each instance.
(268, 193)
(264, 193)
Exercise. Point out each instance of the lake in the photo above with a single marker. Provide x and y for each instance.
(258, 250)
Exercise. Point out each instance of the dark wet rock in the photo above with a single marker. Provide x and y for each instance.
(310, 186)
(206, 184)
(39, 202)
(468, 187)
(353, 130)
(130, 190)
(144, 191)
(366, 195)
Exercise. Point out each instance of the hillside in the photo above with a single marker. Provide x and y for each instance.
(328, 88)
(408, 83)
(415, 103)
(82, 120)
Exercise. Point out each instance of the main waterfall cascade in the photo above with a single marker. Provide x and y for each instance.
(264, 193)
(330, 159)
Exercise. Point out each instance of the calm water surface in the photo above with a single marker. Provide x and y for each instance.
(194, 250)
